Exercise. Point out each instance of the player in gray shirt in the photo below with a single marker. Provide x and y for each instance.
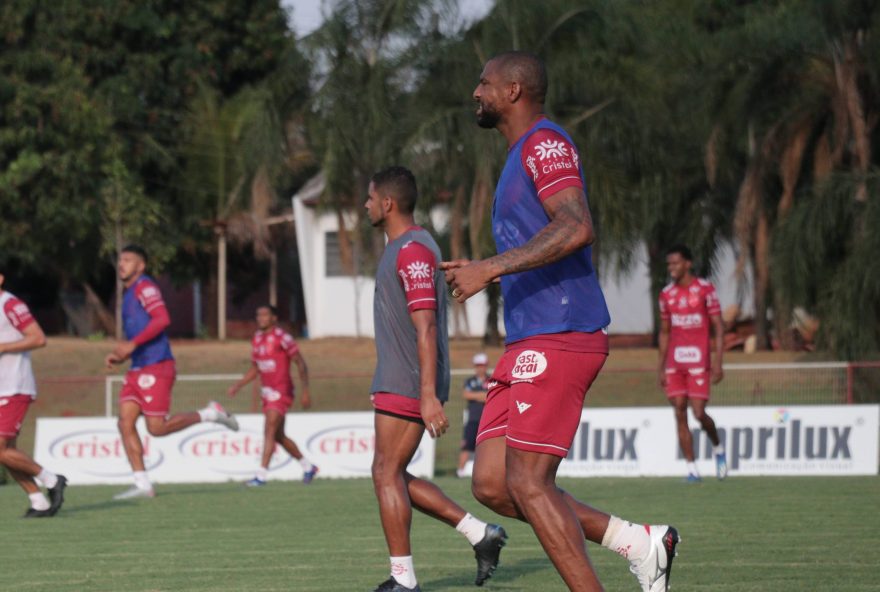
(411, 382)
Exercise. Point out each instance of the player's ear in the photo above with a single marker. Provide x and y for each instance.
(514, 92)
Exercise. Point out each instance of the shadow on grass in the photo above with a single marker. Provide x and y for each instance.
(507, 572)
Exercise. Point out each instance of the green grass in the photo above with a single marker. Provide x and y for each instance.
(761, 534)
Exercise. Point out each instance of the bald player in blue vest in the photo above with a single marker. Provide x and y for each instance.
(555, 318)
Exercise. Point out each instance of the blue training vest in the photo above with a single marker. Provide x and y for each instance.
(562, 296)
(135, 319)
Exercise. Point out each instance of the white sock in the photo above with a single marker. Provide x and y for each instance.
(307, 466)
(39, 501)
(472, 528)
(262, 474)
(631, 541)
(692, 469)
(718, 449)
(208, 414)
(403, 571)
(48, 478)
(141, 481)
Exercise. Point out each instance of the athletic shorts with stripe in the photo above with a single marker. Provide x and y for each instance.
(536, 397)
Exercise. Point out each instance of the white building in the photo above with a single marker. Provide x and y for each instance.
(338, 304)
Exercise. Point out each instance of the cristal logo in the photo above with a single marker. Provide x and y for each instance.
(419, 270)
(146, 381)
(230, 453)
(551, 149)
(100, 452)
(349, 447)
(529, 364)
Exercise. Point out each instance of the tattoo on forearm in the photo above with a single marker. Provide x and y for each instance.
(551, 243)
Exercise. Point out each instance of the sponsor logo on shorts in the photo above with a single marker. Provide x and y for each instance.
(491, 384)
(270, 394)
(522, 407)
(700, 381)
(146, 381)
(4, 402)
(687, 354)
(529, 364)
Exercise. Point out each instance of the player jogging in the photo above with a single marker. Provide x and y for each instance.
(411, 381)
(555, 317)
(147, 387)
(688, 306)
(272, 351)
(19, 334)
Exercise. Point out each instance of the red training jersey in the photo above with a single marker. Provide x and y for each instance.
(416, 267)
(688, 310)
(272, 351)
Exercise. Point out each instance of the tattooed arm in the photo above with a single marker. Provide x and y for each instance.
(570, 228)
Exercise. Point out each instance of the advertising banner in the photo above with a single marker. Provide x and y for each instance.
(797, 440)
(89, 451)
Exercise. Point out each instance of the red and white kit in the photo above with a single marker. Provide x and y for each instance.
(416, 268)
(17, 385)
(537, 390)
(688, 358)
(272, 351)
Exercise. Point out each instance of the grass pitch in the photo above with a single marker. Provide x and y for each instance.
(745, 534)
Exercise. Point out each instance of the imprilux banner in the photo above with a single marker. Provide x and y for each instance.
(797, 440)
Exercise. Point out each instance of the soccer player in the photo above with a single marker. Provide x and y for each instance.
(272, 351)
(147, 387)
(688, 306)
(411, 381)
(555, 316)
(474, 392)
(19, 334)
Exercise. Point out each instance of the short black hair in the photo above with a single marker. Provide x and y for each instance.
(682, 250)
(399, 183)
(527, 69)
(273, 309)
(137, 250)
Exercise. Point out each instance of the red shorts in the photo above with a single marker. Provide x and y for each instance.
(692, 383)
(536, 396)
(13, 408)
(399, 405)
(277, 399)
(150, 387)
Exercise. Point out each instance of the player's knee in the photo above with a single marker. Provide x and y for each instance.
(156, 429)
(488, 492)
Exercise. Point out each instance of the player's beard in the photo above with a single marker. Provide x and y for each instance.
(487, 117)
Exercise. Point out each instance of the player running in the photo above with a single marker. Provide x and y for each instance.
(411, 382)
(688, 306)
(272, 351)
(555, 317)
(19, 334)
(147, 387)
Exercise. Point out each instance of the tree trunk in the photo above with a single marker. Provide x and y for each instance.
(762, 279)
(273, 277)
(493, 336)
(460, 324)
(221, 283)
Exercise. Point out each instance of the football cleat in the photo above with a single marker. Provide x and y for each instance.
(310, 474)
(56, 495)
(223, 417)
(392, 585)
(654, 570)
(255, 482)
(32, 513)
(488, 551)
(692, 478)
(135, 492)
(721, 466)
